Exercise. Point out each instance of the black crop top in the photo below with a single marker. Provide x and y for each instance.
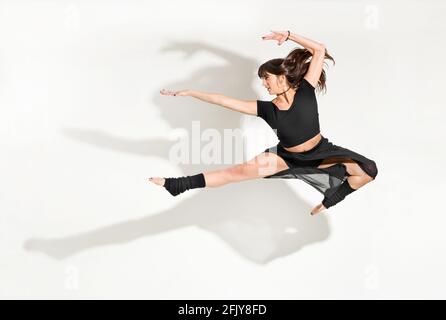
(297, 124)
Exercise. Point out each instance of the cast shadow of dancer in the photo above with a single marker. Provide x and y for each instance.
(262, 219)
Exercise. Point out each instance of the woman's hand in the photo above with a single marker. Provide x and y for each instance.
(279, 36)
(165, 92)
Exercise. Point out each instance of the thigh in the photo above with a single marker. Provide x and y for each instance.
(265, 164)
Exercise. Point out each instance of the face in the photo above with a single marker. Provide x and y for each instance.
(273, 83)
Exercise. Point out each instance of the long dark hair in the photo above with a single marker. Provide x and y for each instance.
(294, 66)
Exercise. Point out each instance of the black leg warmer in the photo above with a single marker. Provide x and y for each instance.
(178, 185)
(343, 190)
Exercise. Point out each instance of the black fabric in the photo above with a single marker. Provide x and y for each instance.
(175, 186)
(303, 165)
(297, 124)
(341, 192)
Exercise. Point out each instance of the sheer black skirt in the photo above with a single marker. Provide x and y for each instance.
(303, 165)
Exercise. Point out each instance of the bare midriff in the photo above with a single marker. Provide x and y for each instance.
(307, 145)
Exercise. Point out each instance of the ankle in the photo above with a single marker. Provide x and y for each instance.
(178, 185)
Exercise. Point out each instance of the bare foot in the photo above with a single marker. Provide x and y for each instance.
(157, 180)
(320, 207)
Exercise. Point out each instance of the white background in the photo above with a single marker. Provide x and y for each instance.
(82, 127)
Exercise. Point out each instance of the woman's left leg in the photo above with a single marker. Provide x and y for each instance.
(357, 178)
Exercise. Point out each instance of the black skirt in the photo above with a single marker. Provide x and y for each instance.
(303, 165)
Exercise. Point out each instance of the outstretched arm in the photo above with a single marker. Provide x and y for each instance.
(243, 106)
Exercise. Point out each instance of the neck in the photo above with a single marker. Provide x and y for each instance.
(284, 91)
(284, 96)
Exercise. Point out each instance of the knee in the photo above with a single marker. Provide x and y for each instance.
(370, 169)
(373, 170)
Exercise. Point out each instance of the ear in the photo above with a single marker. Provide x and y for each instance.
(282, 79)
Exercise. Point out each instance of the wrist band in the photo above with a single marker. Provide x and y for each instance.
(289, 33)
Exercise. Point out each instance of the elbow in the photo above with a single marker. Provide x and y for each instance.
(320, 49)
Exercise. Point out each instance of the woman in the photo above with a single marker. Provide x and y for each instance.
(302, 152)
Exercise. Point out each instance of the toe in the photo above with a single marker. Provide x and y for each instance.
(320, 207)
(157, 180)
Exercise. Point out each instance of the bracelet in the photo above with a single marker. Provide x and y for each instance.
(289, 33)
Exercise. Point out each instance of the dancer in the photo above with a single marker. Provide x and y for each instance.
(302, 152)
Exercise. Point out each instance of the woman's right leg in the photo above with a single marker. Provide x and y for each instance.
(264, 164)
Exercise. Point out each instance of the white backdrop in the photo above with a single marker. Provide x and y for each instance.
(82, 127)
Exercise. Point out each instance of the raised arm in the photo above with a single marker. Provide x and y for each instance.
(317, 61)
(243, 106)
(317, 50)
(311, 45)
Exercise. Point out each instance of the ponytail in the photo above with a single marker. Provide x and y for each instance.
(294, 67)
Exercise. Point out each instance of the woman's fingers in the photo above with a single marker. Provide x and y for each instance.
(173, 93)
(279, 32)
(275, 35)
(167, 92)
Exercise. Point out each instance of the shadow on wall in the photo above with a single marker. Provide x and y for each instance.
(261, 219)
